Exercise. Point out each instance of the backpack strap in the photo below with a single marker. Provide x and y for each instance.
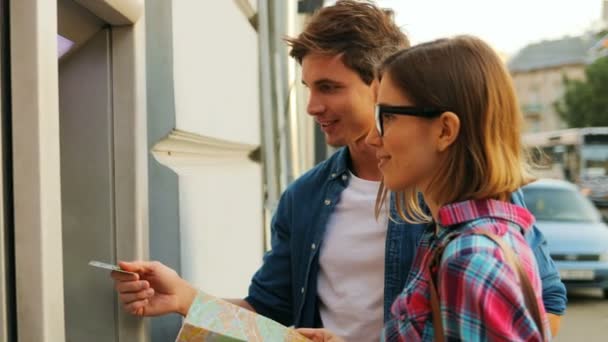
(511, 260)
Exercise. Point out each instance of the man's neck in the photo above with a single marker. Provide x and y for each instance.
(363, 161)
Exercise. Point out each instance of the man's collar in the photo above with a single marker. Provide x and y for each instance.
(342, 162)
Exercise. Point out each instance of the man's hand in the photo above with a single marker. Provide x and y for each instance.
(554, 321)
(319, 335)
(155, 290)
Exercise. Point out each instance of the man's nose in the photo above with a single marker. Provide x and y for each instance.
(373, 138)
(315, 106)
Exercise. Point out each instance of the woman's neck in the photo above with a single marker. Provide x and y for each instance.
(431, 203)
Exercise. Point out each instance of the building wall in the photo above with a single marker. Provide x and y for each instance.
(215, 70)
(162, 181)
(537, 91)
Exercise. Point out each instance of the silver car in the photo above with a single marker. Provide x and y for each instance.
(576, 233)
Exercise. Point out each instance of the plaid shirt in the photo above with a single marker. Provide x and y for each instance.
(479, 294)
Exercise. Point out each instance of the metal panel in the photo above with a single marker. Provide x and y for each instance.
(36, 174)
(86, 127)
(131, 158)
(94, 150)
(4, 314)
(7, 273)
(104, 177)
(268, 109)
(76, 23)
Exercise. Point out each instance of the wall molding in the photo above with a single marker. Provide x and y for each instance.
(115, 12)
(248, 11)
(182, 149)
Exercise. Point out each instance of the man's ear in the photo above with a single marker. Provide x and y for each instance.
(448, 129)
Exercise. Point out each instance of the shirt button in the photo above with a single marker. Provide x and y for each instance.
(313, 246)
(327, 202)
(333, 175)
(302, 290)
(344, 177)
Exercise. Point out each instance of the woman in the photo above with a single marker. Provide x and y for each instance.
(448, 127)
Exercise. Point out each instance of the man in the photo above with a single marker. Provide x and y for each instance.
(332, 263)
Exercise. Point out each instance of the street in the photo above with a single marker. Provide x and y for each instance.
(586, 317)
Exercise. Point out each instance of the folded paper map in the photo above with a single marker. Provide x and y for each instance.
(211, 319)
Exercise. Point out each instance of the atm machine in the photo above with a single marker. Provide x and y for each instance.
(96, 96)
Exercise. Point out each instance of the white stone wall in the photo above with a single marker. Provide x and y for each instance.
(217, 95)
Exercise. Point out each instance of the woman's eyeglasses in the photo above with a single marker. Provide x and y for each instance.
(425, 112)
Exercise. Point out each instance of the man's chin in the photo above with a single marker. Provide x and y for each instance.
(334, 141)
(335, 144)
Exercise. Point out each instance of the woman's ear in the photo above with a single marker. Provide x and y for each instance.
(449, 127)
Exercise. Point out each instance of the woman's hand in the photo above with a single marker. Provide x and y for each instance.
(319, 335)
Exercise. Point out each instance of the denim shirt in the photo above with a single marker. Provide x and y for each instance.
(285, 287)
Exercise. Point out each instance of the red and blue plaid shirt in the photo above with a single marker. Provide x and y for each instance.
(479, 294)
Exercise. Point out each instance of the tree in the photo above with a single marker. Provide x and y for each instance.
(585, 103)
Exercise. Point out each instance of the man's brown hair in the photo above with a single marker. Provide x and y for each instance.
(358, 30)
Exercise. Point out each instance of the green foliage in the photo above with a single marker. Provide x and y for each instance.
(585, 103)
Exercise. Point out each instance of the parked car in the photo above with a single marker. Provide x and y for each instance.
(576, 232)
(597, 189)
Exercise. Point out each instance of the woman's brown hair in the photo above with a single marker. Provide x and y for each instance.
(465, 76)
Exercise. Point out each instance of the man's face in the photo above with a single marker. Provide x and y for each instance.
(341, 103)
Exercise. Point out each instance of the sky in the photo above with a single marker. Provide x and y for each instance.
(508, 25)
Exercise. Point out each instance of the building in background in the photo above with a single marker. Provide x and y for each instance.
(600, 49)
(539, 69)
(538, 72)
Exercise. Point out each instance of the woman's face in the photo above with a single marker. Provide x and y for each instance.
(406, 153)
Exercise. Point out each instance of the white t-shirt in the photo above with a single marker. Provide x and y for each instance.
(351, 276)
